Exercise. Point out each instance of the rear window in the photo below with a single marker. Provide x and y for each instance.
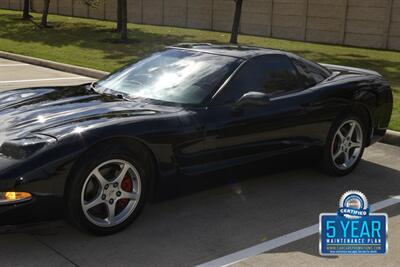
(312, 73)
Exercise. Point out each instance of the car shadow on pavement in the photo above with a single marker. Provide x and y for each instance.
(218, 218)
(378, 183)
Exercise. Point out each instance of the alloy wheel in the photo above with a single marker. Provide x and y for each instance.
(111, 193)
(347, 144)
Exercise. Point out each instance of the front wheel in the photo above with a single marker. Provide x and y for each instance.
(107, 191)
(345, 146)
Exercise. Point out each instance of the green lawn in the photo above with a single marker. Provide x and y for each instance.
(90, 43)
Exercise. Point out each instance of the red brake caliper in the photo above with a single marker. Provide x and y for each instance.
(127, 186)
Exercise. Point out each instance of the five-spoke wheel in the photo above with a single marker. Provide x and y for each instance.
(110, 193)
(345, 146)
(107, 188)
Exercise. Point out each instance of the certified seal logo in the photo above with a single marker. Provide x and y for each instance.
(353, 205)
(353, 229)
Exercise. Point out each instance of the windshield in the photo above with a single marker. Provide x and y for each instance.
(174, 75)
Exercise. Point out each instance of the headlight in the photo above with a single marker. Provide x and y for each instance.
(22, 148)
(14, 197)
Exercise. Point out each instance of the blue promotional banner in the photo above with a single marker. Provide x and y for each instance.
(340, 235)
(353, 230)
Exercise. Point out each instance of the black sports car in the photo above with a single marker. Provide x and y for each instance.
(189, 109)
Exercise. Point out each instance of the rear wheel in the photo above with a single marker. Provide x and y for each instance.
(107, 191)
(345, 146)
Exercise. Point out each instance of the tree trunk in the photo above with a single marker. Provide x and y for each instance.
(119, 15)
(26, 14)
(45, 12)
(124, 20)
(236, 22)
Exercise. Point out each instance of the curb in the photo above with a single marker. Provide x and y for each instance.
(391, 138)
(55, 65)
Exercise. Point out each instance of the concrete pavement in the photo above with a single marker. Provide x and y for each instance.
(304, 253)
(97, 74)
(217, 215)
(14, 74)
(211, 223)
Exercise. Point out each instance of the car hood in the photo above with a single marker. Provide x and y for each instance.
(59, 110)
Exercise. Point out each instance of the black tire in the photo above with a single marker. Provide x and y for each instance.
(83, 168)
(328, 163)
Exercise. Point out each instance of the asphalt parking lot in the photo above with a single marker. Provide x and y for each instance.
(216, 222)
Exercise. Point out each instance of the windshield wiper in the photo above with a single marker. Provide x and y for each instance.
(112, 92)
(108, 92)
(92, 87)
(118, 94)
(121, 96)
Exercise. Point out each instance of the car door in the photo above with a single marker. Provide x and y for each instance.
(253, 131)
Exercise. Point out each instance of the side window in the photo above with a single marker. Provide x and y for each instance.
(271, 74)
(311, 73)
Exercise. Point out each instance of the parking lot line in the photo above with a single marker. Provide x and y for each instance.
(47, 79)
(284, 240)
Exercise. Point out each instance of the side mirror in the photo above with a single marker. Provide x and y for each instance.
(252, 99)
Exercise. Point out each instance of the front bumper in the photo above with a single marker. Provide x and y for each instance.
(39, 208)
(45, 184)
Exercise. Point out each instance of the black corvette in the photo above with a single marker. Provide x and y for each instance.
(100, 148)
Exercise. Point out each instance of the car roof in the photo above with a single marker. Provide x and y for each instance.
(238, 51)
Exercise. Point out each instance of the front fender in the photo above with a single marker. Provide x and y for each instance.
(44, 172)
